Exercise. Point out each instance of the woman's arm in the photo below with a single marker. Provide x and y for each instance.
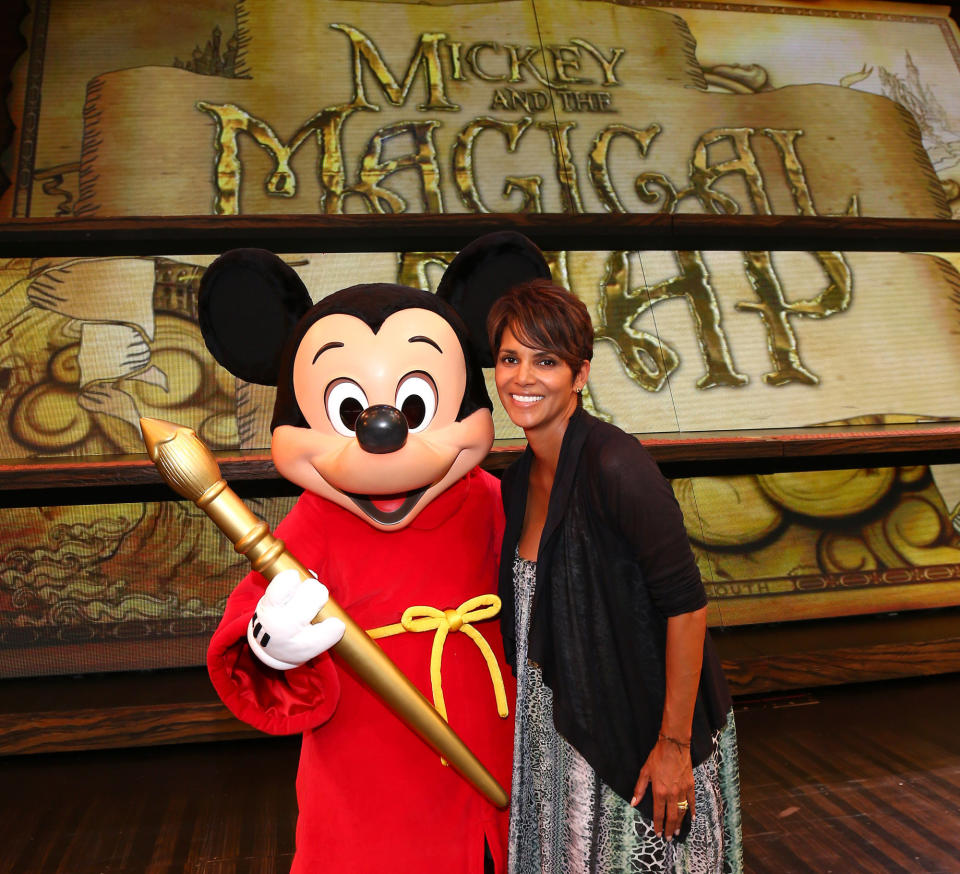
(642, 506)
(668, 769)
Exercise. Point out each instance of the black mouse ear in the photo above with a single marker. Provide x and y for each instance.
(485, 270)
(249, 303)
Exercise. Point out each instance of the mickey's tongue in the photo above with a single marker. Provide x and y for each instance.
(388, 503)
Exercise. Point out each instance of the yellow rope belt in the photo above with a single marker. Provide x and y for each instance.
(421, 618)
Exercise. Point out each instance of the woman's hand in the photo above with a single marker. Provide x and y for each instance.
(668, 771)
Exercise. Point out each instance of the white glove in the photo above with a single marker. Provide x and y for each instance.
(280, 631)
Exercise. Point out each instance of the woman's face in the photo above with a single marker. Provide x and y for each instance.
(537, 388)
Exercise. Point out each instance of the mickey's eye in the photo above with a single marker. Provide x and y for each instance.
(417, 400)
(345, 402)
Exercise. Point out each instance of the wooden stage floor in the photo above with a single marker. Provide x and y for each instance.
(845, 780)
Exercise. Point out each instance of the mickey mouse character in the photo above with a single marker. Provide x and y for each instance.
(382, 416)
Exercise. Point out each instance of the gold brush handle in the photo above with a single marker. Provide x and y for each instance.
(190, 469)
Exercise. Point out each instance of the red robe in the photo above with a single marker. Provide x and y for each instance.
(372, 796)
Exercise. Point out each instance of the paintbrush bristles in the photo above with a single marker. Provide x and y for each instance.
(184, 462)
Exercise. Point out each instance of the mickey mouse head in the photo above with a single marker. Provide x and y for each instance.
(381, 403)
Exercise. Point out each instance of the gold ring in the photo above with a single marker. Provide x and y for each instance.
(683, 805)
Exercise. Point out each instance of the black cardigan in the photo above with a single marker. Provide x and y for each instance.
(614, 563)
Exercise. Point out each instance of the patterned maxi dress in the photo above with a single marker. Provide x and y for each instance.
(564, 820)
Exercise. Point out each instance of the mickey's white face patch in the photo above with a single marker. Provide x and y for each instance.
(383, 439)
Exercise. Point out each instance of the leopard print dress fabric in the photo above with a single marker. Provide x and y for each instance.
(565, 820)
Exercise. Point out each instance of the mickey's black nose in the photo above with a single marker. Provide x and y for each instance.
(381, 429)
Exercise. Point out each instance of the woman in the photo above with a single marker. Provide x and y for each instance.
(625, 739)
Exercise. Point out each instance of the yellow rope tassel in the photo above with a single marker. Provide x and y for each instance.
(422, 618)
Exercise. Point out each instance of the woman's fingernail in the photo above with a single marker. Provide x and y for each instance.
(633, 801)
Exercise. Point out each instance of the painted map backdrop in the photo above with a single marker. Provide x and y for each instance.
(222, 108)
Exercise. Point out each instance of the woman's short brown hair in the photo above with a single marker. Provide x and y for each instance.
(544, 316)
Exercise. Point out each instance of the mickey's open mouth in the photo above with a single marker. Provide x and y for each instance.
(387, 509)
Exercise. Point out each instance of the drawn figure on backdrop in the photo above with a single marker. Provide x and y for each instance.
(381, 416)
(101, 342)
(111, 300)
